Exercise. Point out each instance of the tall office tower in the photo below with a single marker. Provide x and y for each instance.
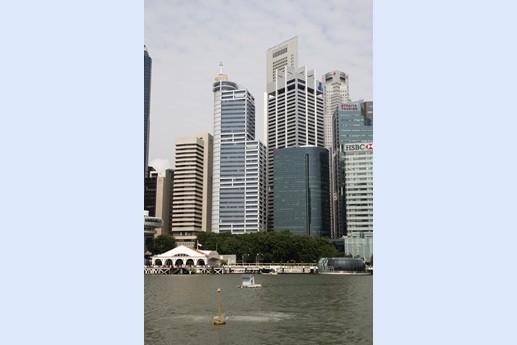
(279, 56)
(191, 202)
(294, 104)
(301, 181)
(158, 198)
(147, 106)
(335, 92)
(238, 190)
(355, 136)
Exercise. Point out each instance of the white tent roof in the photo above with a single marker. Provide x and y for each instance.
(186, 251)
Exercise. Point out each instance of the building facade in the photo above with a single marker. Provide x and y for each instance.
(355, 135)
(147, 107)
(238, 187)
(335, 92)
(294, 105)
(301, 183)
(150, 226)
(279, 56)
(158, 198)
(191, 202)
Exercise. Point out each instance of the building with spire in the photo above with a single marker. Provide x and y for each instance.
(238, 184)
(147, 107)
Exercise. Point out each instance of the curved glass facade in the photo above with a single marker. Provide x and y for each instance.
(341, 265)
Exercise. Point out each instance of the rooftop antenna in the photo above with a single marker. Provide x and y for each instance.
(221, 67)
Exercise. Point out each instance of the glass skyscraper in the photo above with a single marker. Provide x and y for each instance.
(147, 106)
(238, 194)
(301, 182)
(355, 139)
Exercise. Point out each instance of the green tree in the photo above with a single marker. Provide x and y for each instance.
(274, 246)
(162, 244)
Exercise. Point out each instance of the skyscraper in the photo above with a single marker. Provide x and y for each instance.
(191, 202)
(147, 106)
(294, 104)
(335, 92)
(238, 196)
(355, 135)
(301, 179)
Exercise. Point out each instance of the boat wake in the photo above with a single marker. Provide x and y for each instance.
(262, 317)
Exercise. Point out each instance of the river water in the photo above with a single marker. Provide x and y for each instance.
(287, 309)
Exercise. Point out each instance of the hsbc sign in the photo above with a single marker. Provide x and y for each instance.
(358, 147)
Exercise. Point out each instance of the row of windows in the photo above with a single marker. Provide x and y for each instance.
(280, 52)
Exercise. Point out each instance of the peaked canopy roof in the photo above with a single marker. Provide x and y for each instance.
(186, 251)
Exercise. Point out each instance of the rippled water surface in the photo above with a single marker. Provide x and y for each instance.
(288, 309)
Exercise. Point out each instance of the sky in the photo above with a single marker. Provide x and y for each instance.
(188, 39)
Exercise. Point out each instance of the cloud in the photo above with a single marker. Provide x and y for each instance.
(187, 40)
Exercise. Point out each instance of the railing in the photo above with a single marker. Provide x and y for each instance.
(234, 268)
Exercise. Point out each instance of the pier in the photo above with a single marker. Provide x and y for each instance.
(301, 268)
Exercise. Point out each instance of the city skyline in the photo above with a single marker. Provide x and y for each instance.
(188, 41)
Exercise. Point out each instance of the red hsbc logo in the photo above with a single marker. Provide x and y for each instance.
(368, 146)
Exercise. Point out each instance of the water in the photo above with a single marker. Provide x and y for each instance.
(288, 309)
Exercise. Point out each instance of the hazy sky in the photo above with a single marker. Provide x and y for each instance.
(188, 39)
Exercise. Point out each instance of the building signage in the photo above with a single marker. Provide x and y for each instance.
(349, 106)
(358, 147)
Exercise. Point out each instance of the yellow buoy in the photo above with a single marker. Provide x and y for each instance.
(219, 321)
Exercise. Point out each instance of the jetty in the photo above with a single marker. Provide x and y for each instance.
(291, 268)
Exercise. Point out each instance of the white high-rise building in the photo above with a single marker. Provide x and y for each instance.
(279, 56)
(192, 188)
(238, 188)
(294, 107)
(335, 92)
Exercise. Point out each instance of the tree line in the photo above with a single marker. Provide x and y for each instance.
(271, 247)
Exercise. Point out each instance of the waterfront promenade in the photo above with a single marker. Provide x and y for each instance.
(301, 268)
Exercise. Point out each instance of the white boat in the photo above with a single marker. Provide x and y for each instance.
(248, 281)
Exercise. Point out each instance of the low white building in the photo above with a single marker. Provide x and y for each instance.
(185, 256)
